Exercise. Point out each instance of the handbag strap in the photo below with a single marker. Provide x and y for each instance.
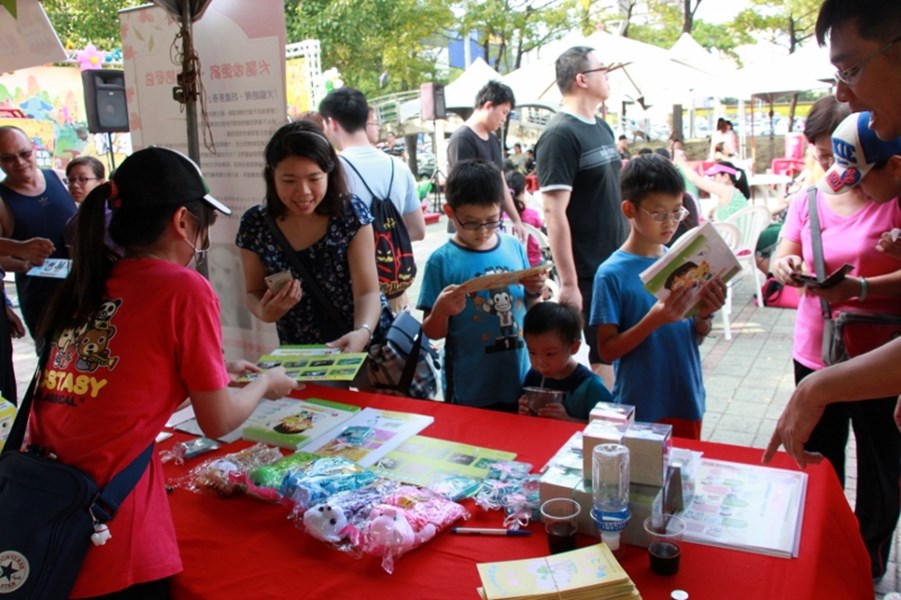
(409, 372)
(366, 185)
(816, 239)
(110, 498)
(309, 280)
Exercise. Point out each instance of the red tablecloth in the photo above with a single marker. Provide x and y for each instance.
(244, 548)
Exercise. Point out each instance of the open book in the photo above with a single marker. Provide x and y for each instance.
(292, 423)
(696, 258)
(590, 573)
(312, 363)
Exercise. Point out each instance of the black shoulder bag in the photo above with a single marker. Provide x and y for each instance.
(50, 513)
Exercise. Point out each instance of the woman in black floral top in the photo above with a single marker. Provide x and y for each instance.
(328, 229)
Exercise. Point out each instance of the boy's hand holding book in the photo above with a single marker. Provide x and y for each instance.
(713, 297)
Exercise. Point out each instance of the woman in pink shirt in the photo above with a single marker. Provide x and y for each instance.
(851, 226)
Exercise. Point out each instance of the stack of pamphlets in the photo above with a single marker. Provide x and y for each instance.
(590, 573)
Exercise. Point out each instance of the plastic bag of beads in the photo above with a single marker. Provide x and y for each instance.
(225, 475)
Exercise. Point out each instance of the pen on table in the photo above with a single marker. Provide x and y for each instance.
(489, 531)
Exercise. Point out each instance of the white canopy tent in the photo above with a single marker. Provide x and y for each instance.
(650, 74)
(461, 93)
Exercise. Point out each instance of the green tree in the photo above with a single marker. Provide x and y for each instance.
(82, 22)
(365, 39)
(508, 29)
(787, 23)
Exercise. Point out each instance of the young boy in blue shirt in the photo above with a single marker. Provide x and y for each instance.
(553, 335)
(653, 346)
(485, 359)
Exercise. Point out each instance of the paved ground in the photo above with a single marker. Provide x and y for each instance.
(749, 378)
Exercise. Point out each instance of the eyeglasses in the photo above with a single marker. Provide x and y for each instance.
(661, 216)
(372, 123)
(606, 69)
(10, 158)
(849, 76)
(79, 180)
(490, 225)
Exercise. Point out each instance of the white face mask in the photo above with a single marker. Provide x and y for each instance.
(199, 256)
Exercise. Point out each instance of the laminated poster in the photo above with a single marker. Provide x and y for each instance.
(747, 507)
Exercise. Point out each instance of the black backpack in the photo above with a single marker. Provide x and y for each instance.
(393, 248)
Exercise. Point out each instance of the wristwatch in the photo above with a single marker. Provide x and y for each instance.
(367, 328)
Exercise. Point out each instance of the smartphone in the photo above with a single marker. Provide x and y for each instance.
(834, 278)
(277, 281)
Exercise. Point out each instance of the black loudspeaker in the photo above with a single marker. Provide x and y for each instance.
(104, 100)
(432, 102)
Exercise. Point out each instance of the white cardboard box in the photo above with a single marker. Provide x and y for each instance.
(649, 446)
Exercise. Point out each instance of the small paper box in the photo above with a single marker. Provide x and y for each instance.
(649, 446)
(644, 501)
(595, 433)
(569, 455)
(558, 482)
(688, 462)
(620, 414)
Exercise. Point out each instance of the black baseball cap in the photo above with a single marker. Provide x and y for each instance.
(159, 176)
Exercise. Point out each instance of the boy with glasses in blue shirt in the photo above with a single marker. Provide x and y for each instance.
(652, 344)
(485, 358)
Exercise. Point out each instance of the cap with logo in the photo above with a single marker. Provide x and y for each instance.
(856, 149)
(158, 176)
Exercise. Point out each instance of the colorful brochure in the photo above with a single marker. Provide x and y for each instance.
(55, 268)
(312, 363)
(293, 424)
(502, 280)
(423, 461)
(369, 435)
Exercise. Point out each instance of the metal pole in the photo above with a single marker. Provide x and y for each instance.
(190, 83)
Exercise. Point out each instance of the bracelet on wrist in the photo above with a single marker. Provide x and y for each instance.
(365, 327)
(864, 289)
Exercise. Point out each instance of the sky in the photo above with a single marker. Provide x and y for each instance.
(719, 11)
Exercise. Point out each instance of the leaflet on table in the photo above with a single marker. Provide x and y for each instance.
(590, 572)
(369, 435)
(423, 461)
(502, 280)
(696, 258)
(747, 507)
(293, 424)
(57, 268)
(312, 363)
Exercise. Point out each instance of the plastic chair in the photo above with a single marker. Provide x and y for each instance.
(750, 221)
(544, 244)
(732, 236)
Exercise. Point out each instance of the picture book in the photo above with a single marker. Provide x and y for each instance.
(293, 424)
(56, 268)
(591, 572)
(696, 258)
(422, 461)
(312, 363)
(369, 435)
(747, 507)
(501, 280)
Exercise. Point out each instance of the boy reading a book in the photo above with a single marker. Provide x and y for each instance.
(484, 356)
(553, 335)
(653, 344)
